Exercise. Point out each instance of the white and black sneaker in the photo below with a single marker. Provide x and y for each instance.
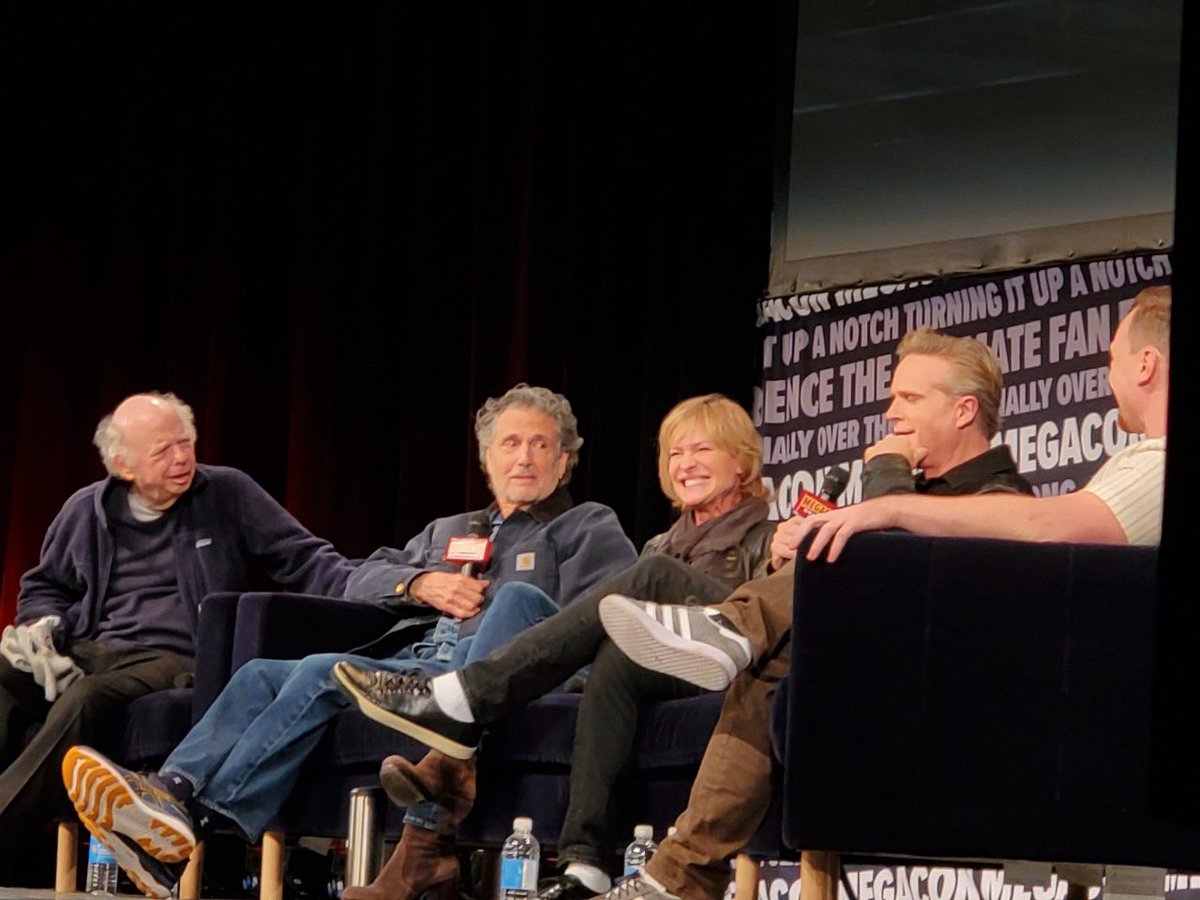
(692, 643)
(638, 887)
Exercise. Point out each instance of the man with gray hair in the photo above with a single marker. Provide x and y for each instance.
(114, 595)
(238, 765)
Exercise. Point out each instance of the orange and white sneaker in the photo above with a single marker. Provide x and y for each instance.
(146, 829)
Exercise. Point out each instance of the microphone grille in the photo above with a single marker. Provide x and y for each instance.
(835, 482)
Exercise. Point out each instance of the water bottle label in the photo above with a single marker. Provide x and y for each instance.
(98, 853)
(632, 870)
(518, 874)
(101, 869)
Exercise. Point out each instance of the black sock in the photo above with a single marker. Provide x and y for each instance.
(207, 820)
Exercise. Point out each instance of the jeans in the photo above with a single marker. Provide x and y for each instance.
(516, 607)
(244, 756)
(544, 656)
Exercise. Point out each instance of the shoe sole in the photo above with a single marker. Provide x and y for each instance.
(397, 723)
(654, 646)
(401, 786)
(101, 796)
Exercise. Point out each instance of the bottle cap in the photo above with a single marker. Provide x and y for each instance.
(523, 824)
(643, 832)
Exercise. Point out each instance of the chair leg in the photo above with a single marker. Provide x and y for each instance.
(819, 872)
(66, 876)
(271, 879)
(745, 878)
(189, 882)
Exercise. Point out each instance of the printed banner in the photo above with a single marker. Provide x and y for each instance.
(780, 880)
(827, 360)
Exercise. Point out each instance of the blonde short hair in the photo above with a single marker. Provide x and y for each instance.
(728, 427)
(1150, 319)
(974, 370)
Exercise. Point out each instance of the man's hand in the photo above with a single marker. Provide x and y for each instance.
(832, 529)
(454, 594)
(901, 444)
(785, 542)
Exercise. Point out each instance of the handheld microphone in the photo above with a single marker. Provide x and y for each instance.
(832, 486)
(479, 525)
(472, 551)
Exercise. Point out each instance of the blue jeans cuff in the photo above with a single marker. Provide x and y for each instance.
(423, 815)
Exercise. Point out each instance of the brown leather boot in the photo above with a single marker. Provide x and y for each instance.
(447, 781)
(423, 861)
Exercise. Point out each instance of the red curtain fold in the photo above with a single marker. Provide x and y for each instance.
(336, 237)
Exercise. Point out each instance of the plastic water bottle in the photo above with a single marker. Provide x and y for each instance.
(519, 862)
(640, 850)
(101, 869)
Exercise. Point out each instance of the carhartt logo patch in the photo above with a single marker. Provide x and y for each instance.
(525, 562)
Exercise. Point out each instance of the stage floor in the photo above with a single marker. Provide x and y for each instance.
(37, 894)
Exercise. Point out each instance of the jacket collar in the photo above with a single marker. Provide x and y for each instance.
(113, 483)
(544, 511)
(979, 468)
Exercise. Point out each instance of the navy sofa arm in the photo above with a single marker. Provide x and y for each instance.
(215, 623)
(976, 699)
(292, 626)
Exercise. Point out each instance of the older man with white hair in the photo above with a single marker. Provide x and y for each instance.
(114, 595)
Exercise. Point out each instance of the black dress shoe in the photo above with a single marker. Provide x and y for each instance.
(563, 887)
(404, 701)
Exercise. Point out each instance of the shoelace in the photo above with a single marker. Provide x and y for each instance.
(144, 786)
(630, 887)
(393, 683)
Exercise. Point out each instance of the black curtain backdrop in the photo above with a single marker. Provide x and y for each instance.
(335, 232)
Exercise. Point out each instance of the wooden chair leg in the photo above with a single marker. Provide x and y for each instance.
(819, 872)
(66, 876)
(189, 882)
(271, 880)
(745, 878)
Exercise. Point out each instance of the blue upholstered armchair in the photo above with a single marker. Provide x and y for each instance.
(975, 699)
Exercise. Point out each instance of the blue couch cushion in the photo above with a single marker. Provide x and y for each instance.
(671, 733)
(151, 728)
(524, 769)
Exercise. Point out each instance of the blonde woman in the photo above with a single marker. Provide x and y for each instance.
(709, 466)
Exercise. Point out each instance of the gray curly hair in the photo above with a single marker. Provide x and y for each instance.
(111, 442)
(543, 400)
